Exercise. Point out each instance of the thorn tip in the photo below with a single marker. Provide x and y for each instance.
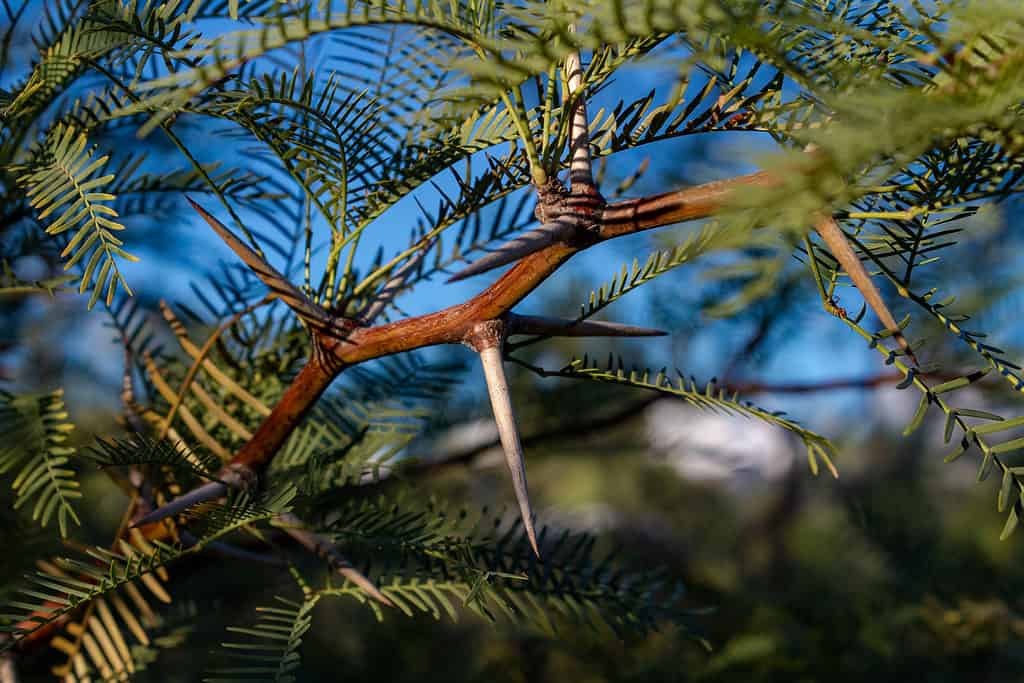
(501, 403)
(206, 492)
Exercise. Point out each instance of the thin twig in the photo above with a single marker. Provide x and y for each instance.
(394, 286)
(564, 327)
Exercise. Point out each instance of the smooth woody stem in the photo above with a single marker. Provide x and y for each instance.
(454, 324)
(256, 454)
(623, 218)
(690, 203)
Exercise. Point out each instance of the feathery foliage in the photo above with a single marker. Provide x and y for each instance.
(47, 597)
(36, 452)
(711, 397)
(271, 649)
(67, 182)
(315, 128)
(98, 642)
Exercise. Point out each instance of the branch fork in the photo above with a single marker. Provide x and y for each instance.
(571, 221)
(487, 339)
(570, 216)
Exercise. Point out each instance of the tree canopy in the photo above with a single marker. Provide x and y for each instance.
(287, 412)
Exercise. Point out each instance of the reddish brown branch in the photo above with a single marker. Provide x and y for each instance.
(692, 203)
(311, 382)
(450, 325)
(456, 323)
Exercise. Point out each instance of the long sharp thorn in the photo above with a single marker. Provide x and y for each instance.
(322, 547)
(501, 404)
(393, 286)
(360, 579)
(562, 327)
(228, 550)
(513, 250)
(209, 491)
(295, 299)
(840, 247)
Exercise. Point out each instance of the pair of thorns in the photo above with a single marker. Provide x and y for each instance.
(571, 221)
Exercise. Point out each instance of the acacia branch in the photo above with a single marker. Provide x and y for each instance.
(452, 324)
(339, 343)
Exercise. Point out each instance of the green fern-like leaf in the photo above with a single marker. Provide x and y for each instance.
(115, 620)
(960, 421)
(33, 443)
(271, 650)
(352, 435)
(439, 564)
(142, 450)
(710, 238)
(61, 62)
(11, 285)
(710, 397)
(64, 183)
(45, 598)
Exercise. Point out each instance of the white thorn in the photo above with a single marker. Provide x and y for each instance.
(580, 168)
(501, 404)
(524, 245)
